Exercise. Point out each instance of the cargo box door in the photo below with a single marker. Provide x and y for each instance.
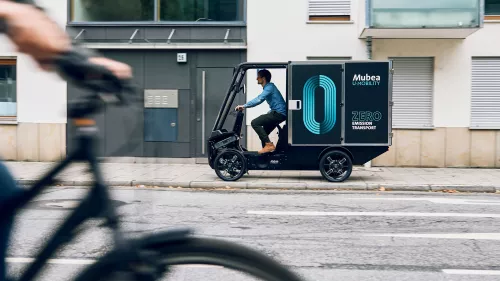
(314, 103)
(367, 103)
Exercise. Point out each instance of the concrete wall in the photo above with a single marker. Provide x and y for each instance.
(38, 132)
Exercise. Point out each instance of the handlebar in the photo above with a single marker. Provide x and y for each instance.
(74, 66)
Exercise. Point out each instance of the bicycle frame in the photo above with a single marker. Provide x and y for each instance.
(96, 204)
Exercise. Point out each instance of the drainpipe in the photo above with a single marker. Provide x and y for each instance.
(369, 53)
(369, 47)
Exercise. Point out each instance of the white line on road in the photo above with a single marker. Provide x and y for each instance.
(474, 236)
(87, 262)
(471, 272)
(451, 201)
(53, 261)
(372, 214)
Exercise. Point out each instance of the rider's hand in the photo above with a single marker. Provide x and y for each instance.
(119, 69)
(239, 108)
(33, 32)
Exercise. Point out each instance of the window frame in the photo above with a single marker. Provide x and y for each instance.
(492, 17)
(330, 18)
(473, 120)
(407, 126)
(155, 22)
(11, 119)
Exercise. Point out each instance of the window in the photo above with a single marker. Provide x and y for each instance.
(201, 10)
(8, 92)
(156, 10)
(492, 9)
(485, 93)
(329, 58)
(112, 10)
(329, 10)
(412, 92)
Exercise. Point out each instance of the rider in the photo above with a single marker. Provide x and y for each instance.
(265, 124)
(35, 34)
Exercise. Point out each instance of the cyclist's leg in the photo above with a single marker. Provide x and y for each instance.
(8, 189)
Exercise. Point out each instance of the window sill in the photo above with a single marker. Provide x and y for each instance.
(491, 21)
(330, 22)
(8, 121)
(413, 128)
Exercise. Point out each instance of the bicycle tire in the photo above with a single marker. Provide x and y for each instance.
(205, 251)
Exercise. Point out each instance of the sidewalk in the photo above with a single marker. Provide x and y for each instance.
(201, 176)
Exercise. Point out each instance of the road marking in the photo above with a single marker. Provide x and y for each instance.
(91, 261)
(471, 272)
(474, 236)
(373, 214)
(53, 261)
(451, 201)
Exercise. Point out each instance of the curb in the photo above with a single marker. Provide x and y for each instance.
(345, 186)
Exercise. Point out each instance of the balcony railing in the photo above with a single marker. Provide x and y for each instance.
(424, 14)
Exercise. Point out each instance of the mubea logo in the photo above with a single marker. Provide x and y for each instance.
(366, 80)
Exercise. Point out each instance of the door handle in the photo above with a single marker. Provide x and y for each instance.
(294, 104)
(203, 92)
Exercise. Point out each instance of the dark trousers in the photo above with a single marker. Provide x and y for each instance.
(265, 124)
(8, 189)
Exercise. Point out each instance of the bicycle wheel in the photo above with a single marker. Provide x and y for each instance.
(216, 254)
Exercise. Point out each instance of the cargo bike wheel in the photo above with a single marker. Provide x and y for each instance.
(335, 166)
(230, 165)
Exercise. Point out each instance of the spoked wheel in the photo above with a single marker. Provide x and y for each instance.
(196, 259)
(230, 165)
(335, 166)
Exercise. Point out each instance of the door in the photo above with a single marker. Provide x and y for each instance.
(314, 103)
(212, 86)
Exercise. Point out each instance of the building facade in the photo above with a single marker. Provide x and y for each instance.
(32, 102)
(182, 53)
(446, 81)
(446, 93)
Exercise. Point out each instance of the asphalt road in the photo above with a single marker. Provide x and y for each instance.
(321, 235)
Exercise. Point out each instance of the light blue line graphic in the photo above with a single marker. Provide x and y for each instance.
(309, 104)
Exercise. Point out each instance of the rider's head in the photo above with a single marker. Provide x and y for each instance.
(263, 76)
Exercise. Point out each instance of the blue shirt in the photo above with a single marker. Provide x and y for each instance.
(272, 95)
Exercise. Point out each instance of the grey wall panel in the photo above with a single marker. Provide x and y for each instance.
(211, 33)
(182, 33)
(124, 33)
(164, 149)
(158, 33)
(219, 58)
(126, 124)
(162, 71)
(184, 119)
(90, 33)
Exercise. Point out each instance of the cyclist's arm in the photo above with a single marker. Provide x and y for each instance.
(258, 100)
(35, 34)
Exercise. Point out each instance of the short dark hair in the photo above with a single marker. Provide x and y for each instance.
(266, 74)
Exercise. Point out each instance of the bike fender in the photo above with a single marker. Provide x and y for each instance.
(164, 237)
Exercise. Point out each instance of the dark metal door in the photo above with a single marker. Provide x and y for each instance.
(212, 86)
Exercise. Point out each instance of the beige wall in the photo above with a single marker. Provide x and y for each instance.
(33, 142)
(442, 147)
